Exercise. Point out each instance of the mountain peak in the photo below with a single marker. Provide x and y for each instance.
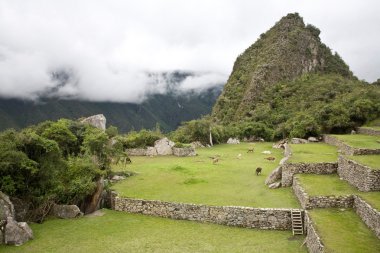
(286, 51)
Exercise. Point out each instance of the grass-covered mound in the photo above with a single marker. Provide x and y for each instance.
(313, 153)
(325, 185)
(341, 230)
(231, 181)
(372, 161)
(360, 140)
(122, 232)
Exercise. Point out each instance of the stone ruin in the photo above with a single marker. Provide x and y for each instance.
(161, 147)
(11, 231)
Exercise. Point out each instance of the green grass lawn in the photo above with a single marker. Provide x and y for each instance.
(344, 231)
(372, 161)
(324, 185)
(313, 153)
(123, 232)
(196, 180)
(372, 127)
(360, 140)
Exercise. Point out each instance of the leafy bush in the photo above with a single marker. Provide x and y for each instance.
(141, 139)
(54, 162)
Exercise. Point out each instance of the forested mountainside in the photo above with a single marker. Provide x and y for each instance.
(292, 83)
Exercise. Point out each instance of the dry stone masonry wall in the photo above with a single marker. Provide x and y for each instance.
(362, 177)
(348, 150)
(289, 169)
(310, 202)
(368, 131)
(262, 218)
(162, 147)
(369, 215)
(313, 240)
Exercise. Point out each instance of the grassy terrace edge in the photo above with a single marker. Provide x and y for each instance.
(333, 185)
(359, 140)
(372, 161)
(344, 230)
(313, 153)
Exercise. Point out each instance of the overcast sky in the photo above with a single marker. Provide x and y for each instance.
(108, 46)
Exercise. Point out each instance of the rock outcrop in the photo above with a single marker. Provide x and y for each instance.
(233, 141)
(11, 231)
(66, 211)
(98, 121)
(164, 146)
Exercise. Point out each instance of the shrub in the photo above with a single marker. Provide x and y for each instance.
(141, 139)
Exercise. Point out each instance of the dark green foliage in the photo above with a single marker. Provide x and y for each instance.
(54, 162)
(314, 104)
(194, 130)
(199, 130)
(77, 181)
(255, 129)
(59, 131)
(141, 139)
(112, 131)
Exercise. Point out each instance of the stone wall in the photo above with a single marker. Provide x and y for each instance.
(289, 169)
(262, 218)
(152, 151)
(369, 215)
(310, 202)
(331, 201)
(348, 150)
(368, 131)
(136, 151)
(362, 177)
(300, 193)
(313, 240)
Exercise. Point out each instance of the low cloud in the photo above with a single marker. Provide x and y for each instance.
(118, 50)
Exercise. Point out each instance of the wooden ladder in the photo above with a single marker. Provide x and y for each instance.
(297, 225)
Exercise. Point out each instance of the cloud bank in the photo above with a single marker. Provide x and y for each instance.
(111, 48)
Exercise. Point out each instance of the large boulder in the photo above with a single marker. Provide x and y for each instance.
(17, 233)
(98, 121)
(6, 207)
(66, 211)
(274, 176)
(12, 232)
(233, 141)
(164, 146)
(186, 151)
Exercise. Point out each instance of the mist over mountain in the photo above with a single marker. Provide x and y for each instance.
(168, 102)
